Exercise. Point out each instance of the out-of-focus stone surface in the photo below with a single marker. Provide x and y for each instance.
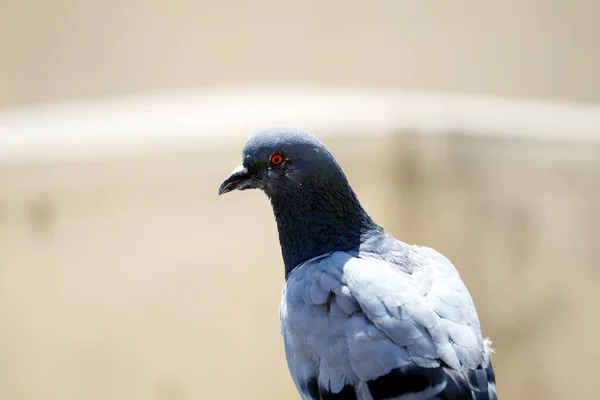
(54, 50)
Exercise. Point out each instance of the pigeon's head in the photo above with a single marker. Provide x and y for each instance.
(282, 160)
(314, 206)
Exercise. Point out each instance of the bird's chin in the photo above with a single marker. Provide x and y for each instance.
(247, 186)
(278, 189)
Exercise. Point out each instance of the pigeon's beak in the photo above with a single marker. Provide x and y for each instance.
(237, 180)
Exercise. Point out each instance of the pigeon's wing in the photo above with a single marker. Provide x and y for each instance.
(366, 328)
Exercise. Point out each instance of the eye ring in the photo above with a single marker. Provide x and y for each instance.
(276, 159)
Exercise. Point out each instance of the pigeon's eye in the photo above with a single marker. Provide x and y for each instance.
(276, 159)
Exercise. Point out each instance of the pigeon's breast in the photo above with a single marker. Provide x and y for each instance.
(326, 334)
(317, 312)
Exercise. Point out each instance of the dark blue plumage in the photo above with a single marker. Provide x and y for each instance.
(364, 316)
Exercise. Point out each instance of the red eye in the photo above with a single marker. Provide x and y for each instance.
(276, 159)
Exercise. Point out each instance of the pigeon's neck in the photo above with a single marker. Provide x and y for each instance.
(316, 220)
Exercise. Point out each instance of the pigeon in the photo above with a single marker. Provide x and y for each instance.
(363, 315)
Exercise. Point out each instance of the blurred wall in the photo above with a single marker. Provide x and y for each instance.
(59, 49)
(124, 276)
(129, 278)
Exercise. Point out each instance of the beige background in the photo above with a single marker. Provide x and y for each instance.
(124, 276)
(70, 48)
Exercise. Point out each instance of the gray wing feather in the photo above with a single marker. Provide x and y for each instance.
(349, 321)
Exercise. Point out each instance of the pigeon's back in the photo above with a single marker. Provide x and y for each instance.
(361, 325)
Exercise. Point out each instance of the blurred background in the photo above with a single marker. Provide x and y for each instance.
(471, 127)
